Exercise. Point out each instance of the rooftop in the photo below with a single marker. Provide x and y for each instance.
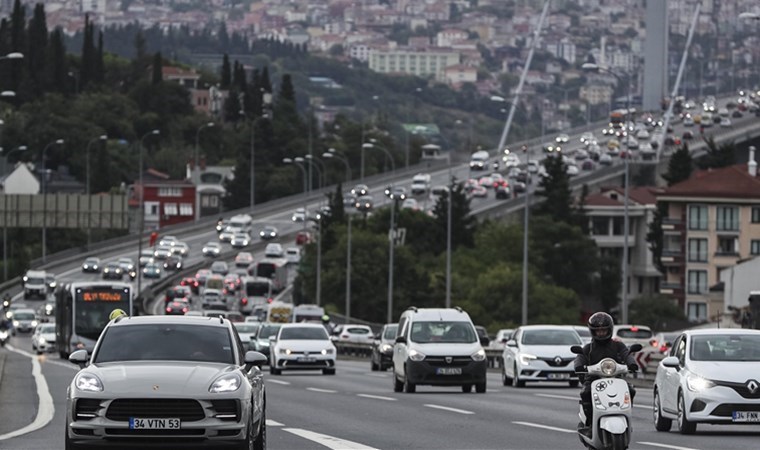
(727, 182)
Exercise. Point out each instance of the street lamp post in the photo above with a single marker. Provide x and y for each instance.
(526, 224)
(321, 169)
(197, 169)
(332, 153)
(44, 198)
(142, 215)
(626, 225)
(298, 161)
(5, 216)
(101, 138)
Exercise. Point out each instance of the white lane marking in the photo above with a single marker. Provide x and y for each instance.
(566, 397)
(324, 391)
(284, 383)
(446, 408)
(377, 375)
(274, 423)
(674, 447)
(45, 408)
(545, 427)
(328, 441)
(377, 397)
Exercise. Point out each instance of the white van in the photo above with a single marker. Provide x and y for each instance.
(242, 223)
(479, 160)
(35, 284)
(420, 184)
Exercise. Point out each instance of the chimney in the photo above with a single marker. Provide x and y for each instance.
(752, 165)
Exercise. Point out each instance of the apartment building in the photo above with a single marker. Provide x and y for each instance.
(426, 63)
(712, 223)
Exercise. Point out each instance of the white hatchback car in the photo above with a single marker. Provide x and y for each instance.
(710, 376)
(302, 346)
(357, 334)
(540, 353)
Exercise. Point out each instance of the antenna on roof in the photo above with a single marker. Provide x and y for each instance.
(221, 319)
(458, 309)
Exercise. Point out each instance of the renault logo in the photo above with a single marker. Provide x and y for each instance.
(557, 360)
(752, 386)
(155, 387)
(449, 359)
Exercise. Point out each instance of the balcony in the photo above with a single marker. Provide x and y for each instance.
(671, 288)
(672, 257)
(614, 240)
(672, 224)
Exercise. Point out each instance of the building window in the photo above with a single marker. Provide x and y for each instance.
(170, 209)
(697, 250)
(617, 226)
(185, 209)
(756, 214)
(697, 217)
(727, 218)
(152, 209)
(170, 192)
(754, 247)
(600, 226)
(696, 312)
(728, 246)
(697, 282)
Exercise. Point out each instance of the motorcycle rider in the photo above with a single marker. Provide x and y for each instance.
(602, 346)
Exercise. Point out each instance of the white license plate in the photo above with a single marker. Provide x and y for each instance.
(153, 424)
(746, 416)
(448, 371)
(558, 376)
(306, 359)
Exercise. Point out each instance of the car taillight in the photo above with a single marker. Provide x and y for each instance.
(270, 300)
(168, 309)
(244, 301)
(663, 348)
(184, 310)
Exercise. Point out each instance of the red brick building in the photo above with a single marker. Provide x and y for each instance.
(166, 201)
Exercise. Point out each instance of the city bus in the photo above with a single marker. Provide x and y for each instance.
(81, 312)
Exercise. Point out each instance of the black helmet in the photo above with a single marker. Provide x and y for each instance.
(600, 325)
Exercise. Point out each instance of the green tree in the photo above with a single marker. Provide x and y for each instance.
(555, 188)
(158, 68)
(36, 53)
(658, 312)
(717, 156)
(680, 166)
(226, 76)
(463, 225)
(57, 63)
(608, 285)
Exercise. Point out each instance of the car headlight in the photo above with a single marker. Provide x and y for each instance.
(526, 358)
(226, 383)
(608, 367)
(41, 340)
(480, 355)
(328, 351)
(88, 382)
(386, 348)
(16, 323)
(34, 323)
(695, 383)
(414, 355)
(285, 351)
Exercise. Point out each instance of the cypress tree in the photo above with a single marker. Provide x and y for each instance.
(57, 62)
(158, 65)
(226, 73)
(266, 83)
(17, 43)
(287, 92)
(35, 53)
(679, 166)
(100, 68)
(88, 55)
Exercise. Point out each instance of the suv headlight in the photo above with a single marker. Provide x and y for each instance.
(88, 382)
(414, 355)
(695, 383)
(284, 351)
(480, 355)
(386, 348)
(526, 358)
(226, 383)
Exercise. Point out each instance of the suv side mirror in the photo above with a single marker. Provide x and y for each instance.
(672, 362)
(254, 359)
(401, 339)
(511, 343)
(80, 358)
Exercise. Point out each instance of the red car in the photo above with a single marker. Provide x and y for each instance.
(190, 282)
(303, 238)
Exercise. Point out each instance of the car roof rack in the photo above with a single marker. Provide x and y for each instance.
(458, 308)
(412, 308)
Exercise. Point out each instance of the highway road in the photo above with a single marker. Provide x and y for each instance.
(357, 409)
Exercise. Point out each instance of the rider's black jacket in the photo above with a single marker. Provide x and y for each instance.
(597, 351)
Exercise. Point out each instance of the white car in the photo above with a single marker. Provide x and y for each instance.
(710, 376)
(511, 160)
(274, 250)
(168, 240)
(725, 122)
(226, 234)
(632, 334)
(300, 215)
(410, 203)
(572, 170)
(356, 334)
(246, 331)
(562, 138)
(293, 255)
(240, 240)
(502, 336)
(181, 249)
(302, 346)
(540, 353)
(587, 137)
(43, 339)
(212, 249)
(162, 252)
(642, 134)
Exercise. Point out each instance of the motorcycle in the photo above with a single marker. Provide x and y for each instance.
(611, 407)
(6, 302)
(3, 337)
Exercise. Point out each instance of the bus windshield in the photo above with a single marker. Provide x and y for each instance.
(257, 289)
(92, 307)
(265, 270)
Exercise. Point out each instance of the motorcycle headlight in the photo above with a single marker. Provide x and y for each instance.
(608, 367)
(414, 355)
(328, 351)
(480, 355)
(88, 382)
(695, 383)
(386, 348)
(226, 383)
(3, 334)
(526, 358)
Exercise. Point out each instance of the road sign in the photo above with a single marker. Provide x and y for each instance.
(642, 359)
(398, 235)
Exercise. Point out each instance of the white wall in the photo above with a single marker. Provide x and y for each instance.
(739, 280)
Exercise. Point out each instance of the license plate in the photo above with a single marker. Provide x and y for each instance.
(558, 376)
(306, 359)
(746, 416)
(153, 424)
(448, 371)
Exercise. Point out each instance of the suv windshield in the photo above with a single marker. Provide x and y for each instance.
(445, 332)
(23, 316)
(726, 347)
(550, 337)
(165, 342)
(305, 333)
(35, 281)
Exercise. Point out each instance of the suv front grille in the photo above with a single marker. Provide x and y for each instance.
(727, 409)
(185, 410)
(441, 361)
(86, 408)
(226, 409)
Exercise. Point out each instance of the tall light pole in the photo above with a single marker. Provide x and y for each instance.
(321, 169)
(197, 169)
(526, 224)
(142, 215)
(44, 198)
(101, 138)
(333, 154)
(626, 225)
(20, 148)
(298, 161)
(448, 235)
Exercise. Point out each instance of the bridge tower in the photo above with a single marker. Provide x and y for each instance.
(655, 55)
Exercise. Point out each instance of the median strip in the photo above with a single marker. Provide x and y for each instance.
(446, 408)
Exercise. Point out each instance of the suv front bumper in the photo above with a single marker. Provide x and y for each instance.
(441, 373)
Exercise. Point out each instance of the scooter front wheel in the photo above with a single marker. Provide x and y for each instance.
(618, 441)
